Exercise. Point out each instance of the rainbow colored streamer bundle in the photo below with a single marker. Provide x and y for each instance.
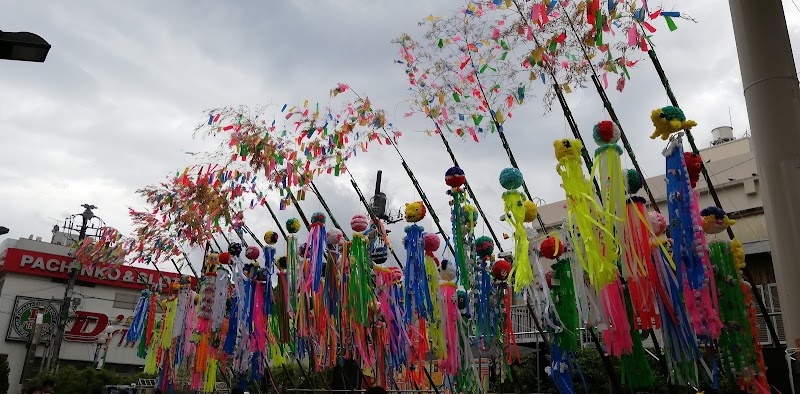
(393, 344)
(687, 246)
(435, 329)
(514, 208)
(679, 343)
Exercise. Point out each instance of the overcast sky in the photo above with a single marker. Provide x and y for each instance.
(114, 106)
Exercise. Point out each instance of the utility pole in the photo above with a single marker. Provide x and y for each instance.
(63, 315)
(772, 94)
(33, 343)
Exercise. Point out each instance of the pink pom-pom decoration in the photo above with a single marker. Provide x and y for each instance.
(432, 242)
(335, 236)
(252, 253)
(225, 258)
(657, 222)
(359, 223)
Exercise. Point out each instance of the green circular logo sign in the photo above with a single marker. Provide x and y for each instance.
(25, 315)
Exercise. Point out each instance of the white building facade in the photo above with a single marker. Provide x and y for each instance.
(33, 276)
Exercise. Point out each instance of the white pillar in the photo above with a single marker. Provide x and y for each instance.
(771, 90)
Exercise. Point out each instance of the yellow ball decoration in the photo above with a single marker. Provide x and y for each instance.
(531, 211)
(270, 237)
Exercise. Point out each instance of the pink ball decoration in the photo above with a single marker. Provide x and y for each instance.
(252, 253)
(432, 242)
(359, 223)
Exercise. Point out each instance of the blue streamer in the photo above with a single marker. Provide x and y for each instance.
(233, 328)
(418, 297)
(687, 261)
(139, 318)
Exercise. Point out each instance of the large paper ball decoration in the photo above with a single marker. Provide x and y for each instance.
(318, 217)
(235, 249)
(432, 242)
(334, 236)
(271, 237)
(606, 132)
(303, 250)
(552, 248)
(252, 253)
(359, 223)
(282, 262)
(454, 177)
(484, 246)
(415, 211)
(657, 222)
(292, 225)
(531, 211)
(510, 178)
(501, 269)
(633, 181)
(224, 258)
(447, 271)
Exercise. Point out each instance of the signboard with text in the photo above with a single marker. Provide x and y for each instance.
(56, 266)
(24, 314)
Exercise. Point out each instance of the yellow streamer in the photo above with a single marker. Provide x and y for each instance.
(582, 218)
(436, 334)
(521, 272)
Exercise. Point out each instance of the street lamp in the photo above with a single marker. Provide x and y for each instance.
(103, 341)
(23, 46)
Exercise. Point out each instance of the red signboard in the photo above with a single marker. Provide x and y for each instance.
(56, 266)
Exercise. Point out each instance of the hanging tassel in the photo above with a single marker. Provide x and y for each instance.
(417, 300)
(449, 305)
(581, 219)
(139, 318)
(514, 208)
(435, 329)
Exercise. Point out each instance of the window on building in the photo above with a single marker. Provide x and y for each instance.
(125, 301)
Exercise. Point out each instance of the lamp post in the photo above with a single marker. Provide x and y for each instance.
(103, 341)
(23, 46)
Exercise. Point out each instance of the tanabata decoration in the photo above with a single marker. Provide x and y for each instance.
(680, 345)
(566, 335)
(450, 318)
(485, 316)
(669, 120)
(515, 211)
(582, 210)
(694, 167)
(688, 246)
(360, 291)
(435, 333)
(623, 336)
(311, 140)
(454, 177)
(418, 302)
(391, 341)
(739, 346)
(715, 220)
